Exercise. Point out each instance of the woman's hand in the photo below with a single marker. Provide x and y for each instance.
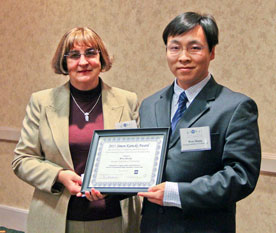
(93, 195)
(71, 180)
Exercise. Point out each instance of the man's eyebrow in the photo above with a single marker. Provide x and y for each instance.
(174, 41)
(189, 42)
(195, 42)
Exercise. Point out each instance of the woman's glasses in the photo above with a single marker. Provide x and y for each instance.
(89, 53)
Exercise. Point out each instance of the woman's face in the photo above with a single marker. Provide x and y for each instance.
(84, 67)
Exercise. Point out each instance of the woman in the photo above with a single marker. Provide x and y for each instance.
(55, 138)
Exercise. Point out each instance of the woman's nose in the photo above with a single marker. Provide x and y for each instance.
(82, 60)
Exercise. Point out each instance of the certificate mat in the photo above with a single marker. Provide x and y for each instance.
(125, 160)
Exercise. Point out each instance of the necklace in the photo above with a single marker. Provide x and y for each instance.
(86, 114)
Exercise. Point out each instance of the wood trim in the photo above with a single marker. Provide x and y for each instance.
(264, 173)
(9, 134)
(268, 165)
(13, 218)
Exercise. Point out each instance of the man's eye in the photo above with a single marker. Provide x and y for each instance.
(174, 48)
(196, 48)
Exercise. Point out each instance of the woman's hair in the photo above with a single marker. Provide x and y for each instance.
(79, 36)
(189, 20)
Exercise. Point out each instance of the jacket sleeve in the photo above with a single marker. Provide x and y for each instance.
(29, 162)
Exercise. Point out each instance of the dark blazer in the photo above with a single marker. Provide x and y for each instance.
(210, 182)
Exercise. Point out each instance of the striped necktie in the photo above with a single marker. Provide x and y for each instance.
(180, 110)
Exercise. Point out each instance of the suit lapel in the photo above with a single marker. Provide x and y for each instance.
(58, 118)
(112, 110)
(163, 108)
(197, 109)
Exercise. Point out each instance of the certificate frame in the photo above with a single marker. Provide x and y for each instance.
(110, 151)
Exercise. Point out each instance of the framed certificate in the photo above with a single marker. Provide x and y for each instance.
(125, 160)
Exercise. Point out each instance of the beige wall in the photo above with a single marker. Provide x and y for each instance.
(245, 62)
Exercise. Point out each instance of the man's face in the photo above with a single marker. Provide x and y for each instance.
(188, 57)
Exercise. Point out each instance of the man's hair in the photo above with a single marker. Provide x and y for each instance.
(187, 21)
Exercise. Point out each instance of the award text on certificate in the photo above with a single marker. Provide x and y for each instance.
(131, 161)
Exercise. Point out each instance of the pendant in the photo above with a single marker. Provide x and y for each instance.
(86, 116)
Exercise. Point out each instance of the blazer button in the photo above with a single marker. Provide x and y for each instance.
(161, 210)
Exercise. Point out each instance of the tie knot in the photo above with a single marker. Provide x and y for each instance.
(182, 97)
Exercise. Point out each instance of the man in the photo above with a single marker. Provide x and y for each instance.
(214, 153)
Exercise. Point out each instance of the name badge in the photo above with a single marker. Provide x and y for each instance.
(195, 139)
(126, 125)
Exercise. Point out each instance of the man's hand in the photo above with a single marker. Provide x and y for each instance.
(155, 194)
(71, 180)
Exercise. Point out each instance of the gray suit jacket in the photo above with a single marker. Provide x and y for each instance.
(210, 182)
(43, 150)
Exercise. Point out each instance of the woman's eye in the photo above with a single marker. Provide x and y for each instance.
(91, 52)
(74, 55)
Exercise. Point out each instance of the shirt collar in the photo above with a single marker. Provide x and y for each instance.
(192, 91)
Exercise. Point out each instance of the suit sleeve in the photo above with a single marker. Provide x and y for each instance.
(240, 159)
(29, 162)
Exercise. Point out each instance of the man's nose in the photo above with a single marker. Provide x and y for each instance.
(184, 55)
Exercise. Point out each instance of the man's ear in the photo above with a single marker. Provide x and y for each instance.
(212, 54)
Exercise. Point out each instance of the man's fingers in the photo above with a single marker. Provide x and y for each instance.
(147, 194)
(155, 201)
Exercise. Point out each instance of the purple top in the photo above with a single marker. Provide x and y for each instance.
(80, 136)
